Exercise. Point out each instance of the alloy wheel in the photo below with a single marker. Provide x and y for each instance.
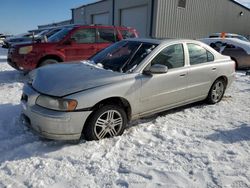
(108, 124)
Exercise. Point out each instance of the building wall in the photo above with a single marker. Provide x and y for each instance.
(78, 15)
(84, 14)
(165, 20)
(120, 5)
(103, 7)
(199, 19)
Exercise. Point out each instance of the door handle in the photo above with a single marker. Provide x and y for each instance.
(182, 75)
(214, 68)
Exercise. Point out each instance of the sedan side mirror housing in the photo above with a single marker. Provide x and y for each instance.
(157, 69)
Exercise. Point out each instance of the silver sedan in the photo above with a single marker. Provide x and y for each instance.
(128, 80)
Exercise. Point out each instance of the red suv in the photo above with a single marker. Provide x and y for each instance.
(69, 44)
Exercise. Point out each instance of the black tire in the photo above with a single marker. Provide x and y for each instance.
(48, 62)
(236, 63)
(105, 127)
(216, 92)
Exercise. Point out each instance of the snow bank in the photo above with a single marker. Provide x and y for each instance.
(195, 146)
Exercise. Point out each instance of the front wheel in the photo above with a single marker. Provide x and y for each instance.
(216, 92)
(107, 121)
(48, 62)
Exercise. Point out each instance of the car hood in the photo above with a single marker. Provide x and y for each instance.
(64, 79)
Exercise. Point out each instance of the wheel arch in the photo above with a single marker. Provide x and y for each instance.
(120, 101)
(223, 77)
(56, 57)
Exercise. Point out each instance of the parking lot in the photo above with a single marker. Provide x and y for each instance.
(194, 146)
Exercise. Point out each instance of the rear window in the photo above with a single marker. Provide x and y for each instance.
(127, 34)
(198, 54)
(106, 35)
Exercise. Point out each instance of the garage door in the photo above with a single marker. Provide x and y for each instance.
(135, 17)
(101, 19)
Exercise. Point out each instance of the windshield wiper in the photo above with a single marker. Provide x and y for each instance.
(129, 60)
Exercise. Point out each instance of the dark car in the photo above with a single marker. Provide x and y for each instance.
(237, 49)
(69, 44)
(24, 38)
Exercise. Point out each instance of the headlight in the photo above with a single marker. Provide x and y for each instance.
(25, 50)
(56, 103)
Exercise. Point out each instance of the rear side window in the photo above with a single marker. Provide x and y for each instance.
(172, 57)
(210, 56)
(84, 36)
(106, 35)
(127, 34)
(198, 54)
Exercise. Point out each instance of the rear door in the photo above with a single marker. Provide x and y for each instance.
(201, 73)
(105, 37)
(82, 44)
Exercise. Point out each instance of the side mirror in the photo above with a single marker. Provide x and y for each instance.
(157, 69)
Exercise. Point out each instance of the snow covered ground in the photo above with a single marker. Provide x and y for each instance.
(196, 146)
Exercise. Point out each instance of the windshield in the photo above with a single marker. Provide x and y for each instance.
(123, 56)
(60, 35)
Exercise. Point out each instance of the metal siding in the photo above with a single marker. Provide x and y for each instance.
(199, 19)
(135, 17)
(121, 5)
(101, 18)
(79, 16)
(85, 14)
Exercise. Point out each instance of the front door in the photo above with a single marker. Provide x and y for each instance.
(169, 89)
(82, 44)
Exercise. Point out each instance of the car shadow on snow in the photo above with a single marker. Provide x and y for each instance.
(238, 134)
(12, 76)
(19, 142)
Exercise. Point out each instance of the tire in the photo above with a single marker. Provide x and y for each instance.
(216, 92)
(236, 63)
(48, 62)
(102, 123)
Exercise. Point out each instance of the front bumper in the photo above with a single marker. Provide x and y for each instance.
(21, 62)
(49, 123)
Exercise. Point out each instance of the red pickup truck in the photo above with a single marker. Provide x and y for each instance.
(71, 43)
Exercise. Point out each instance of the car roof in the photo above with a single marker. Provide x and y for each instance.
(227, 34)
(240, 43)
(162, 41)
(104, 26)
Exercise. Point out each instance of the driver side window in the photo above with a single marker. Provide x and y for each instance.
(84, 36)
(172, 57)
